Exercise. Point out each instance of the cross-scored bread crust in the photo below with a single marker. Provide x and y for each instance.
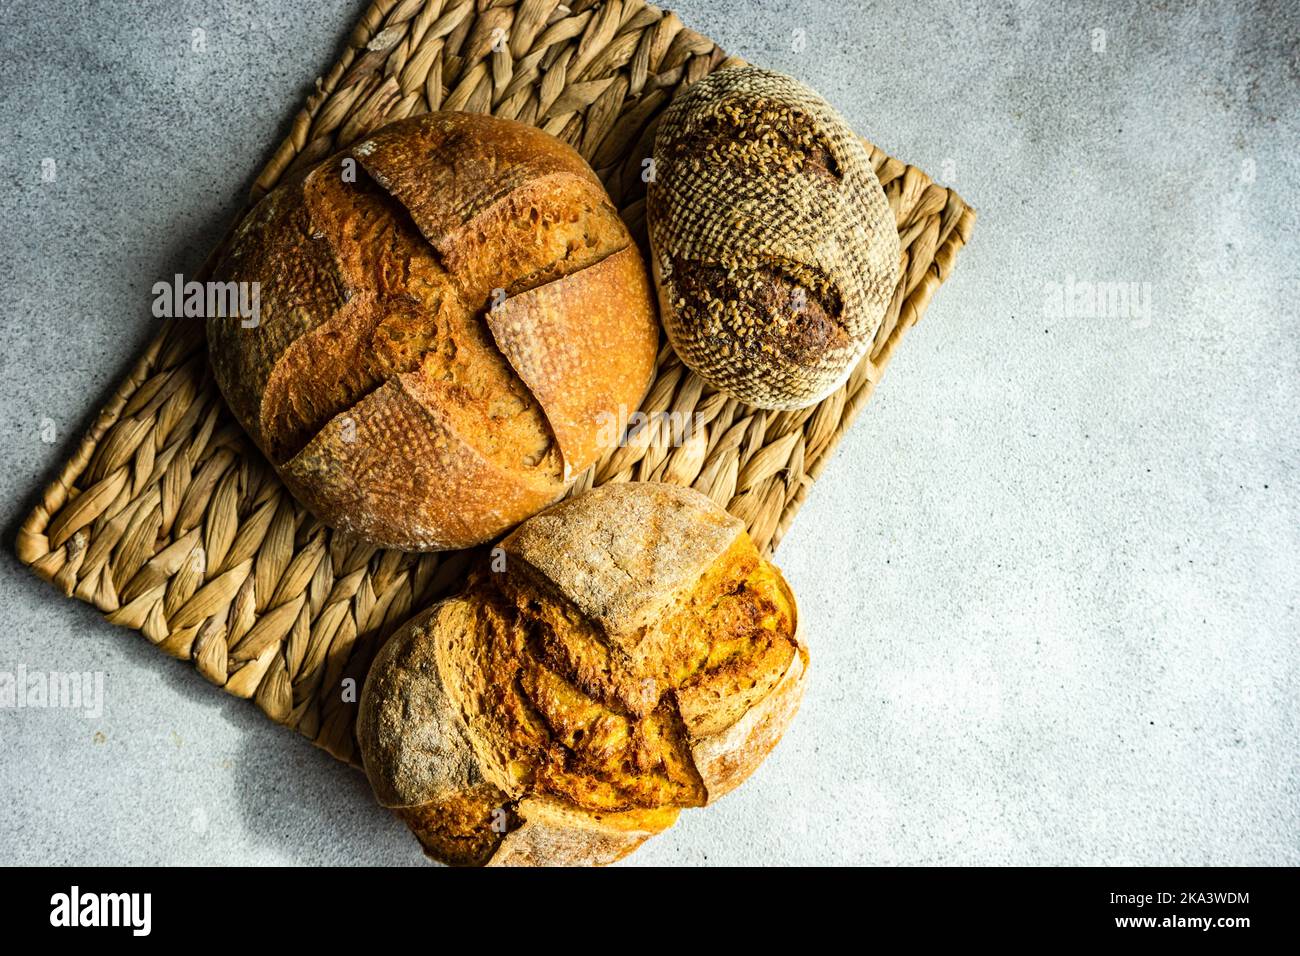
(451, 312)
(553, 714)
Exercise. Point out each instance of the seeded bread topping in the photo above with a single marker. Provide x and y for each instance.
(774, 249)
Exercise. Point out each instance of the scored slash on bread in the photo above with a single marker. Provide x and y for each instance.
(637, 656)
(560, 376)
(443, 335)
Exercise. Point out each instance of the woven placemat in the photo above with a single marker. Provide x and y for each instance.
(170, 522)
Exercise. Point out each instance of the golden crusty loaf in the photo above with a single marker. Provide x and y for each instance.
(450, 311)
(634, 656)
(774, 249)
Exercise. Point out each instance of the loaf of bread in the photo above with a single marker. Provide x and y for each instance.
(634, 655)
(774, 248)
(451, 313)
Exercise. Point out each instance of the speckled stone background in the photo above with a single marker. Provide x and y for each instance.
(1051, 578)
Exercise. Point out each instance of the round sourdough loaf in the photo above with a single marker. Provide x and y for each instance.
(774, 248)
(451, 314)
(635, 655)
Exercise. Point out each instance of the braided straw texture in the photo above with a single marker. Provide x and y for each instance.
(169, 521)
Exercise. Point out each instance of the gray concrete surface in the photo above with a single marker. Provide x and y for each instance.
(1051, 578)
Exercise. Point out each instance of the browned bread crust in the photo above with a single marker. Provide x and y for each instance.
(774, 248)
(451, 311)
(635, 656)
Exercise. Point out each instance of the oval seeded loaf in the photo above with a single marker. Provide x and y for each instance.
(774, 248)
(634, 656)
(452, 312)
